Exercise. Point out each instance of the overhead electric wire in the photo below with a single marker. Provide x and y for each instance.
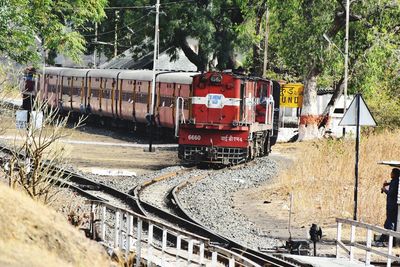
(123, 27)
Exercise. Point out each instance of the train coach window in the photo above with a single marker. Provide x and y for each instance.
(95, 92)
(126, 97)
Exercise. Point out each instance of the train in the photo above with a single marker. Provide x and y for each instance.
(218, 117)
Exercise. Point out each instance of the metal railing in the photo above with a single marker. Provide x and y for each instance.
(130, 232)
(349, 246)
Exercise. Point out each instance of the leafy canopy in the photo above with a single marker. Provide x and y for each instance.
(24, 24)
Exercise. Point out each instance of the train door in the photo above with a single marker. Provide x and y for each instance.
(264, 103)
(165, 104)
(143, 100)
(51, 92)
(183, 90)
(127, 89)
(77, 92)
(248, 100)
(95, 84)
(65, 93)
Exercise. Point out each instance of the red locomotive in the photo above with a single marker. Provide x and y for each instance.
(231, 119)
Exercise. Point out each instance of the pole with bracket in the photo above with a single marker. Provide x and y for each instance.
(153, 83)
(357, 154)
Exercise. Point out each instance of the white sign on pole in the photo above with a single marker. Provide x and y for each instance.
(21, 119)
(350, 117)
(37, 119)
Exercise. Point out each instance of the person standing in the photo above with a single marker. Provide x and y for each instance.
(391, 190)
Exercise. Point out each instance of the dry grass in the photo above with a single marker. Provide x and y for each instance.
(34, 235)
(322, 179)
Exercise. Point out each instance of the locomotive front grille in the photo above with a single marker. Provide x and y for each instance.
(217, 155)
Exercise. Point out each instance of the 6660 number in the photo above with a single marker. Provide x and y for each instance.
(194, 137)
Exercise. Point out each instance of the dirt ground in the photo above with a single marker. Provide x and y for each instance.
(91, 148)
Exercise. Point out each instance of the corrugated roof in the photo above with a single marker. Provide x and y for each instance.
(125, 61)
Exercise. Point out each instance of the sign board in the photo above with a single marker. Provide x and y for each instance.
(392, 163)
(21, 119)
(37, 119)
(292, 95)
(350, 117)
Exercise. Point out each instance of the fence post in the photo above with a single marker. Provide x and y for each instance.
(214, 259)
(121, 225)
(369, 243)
(103, 223)
(139, 242)
(130, 232)
(93, 218)
(164, 245)
(201, 261)
(178, 246)
(150, 245)
(352, 239)
(390, 246)
(232, 261)
(190, 251)
(116, 229)
(338, 238)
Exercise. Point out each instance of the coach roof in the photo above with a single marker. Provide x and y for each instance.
(74, 72)
(162, 76)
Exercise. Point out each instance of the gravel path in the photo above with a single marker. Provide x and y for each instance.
(210, 201)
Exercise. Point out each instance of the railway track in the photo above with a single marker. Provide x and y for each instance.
(172, 212)
(184, 220)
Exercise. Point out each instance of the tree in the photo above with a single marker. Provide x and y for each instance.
(296, 35)
(212, 23)
(31, 166)
(26, 25)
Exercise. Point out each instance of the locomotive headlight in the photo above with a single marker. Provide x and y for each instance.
(216, 78)
(235, 123)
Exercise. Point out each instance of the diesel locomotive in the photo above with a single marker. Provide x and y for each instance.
(232, 119)
(219, 117)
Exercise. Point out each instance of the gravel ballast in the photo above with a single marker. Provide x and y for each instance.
(210, 202)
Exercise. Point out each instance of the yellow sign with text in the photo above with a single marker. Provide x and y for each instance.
(292, 95)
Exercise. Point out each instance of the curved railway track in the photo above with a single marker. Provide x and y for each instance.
(184, 220)
(174, 213)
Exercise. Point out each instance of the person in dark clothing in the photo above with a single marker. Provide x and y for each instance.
(391, 189)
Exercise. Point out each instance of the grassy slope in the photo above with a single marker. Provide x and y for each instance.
(34, 235)
(322, 179)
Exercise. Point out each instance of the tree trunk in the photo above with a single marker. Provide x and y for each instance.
(200, 59)
(327, 114)
(309, 119)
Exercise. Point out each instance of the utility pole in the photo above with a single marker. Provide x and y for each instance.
(116, 33)
(153, 83)
(95, 46)
(346, 61)
(266, 42)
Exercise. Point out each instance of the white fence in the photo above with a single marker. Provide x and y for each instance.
(349, 246)
(130, 232)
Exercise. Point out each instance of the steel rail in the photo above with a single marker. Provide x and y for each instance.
(251, 254)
